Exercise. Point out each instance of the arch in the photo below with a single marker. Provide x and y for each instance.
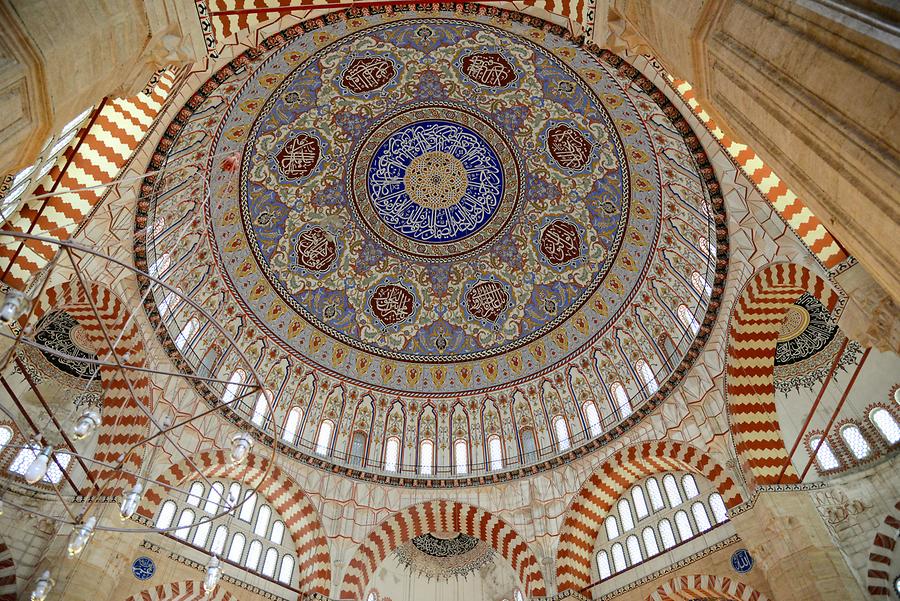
(285, 497)
(879, 571)
(447, 516)
(750, 358)
(614, 478)
(704, 586)
(122, 423)
(7, 574)
(188, 590)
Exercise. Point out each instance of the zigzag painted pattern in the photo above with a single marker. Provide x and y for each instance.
(285, 497)
(7, 574)
(880, 572)
(794, 211)
(618, 473)
(755, 323)
(122, 423)
(105, 148)
(441, 516)
(189, 590)
(703, 586)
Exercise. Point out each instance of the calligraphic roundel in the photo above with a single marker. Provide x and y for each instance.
(391, 304)
(560, 242)
(489, 69)
(299, 156)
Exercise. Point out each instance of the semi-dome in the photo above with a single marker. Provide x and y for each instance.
(451, 247)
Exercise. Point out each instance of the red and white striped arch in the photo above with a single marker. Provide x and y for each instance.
(441, 516)
(755, 324)
(618, 473)
(703, 586)
(881, 571)
(287, 499)
(189, 590)
(7, 574)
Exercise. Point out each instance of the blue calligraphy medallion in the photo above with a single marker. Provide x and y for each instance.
(742, 561)
(143, 568)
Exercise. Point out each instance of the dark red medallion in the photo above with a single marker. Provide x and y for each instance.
(368, 74)
(391, 303)
(316, 249)
(487, 300)
(560, 242)
(488, 69)
(568, 147)
(299, 156)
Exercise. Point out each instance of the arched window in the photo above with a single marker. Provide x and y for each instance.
(166, 304)
(323, 441)
(6, 435)
(254, 552)
(650, 541)
(634, 550)
(246, 512)
(186, 333)
(685, 530)
(461, 454)
(201, 535)
(161, 265)
(261, 409)
(688, 320)
(270, 562)
(612, 527)
(666, 535)
(29, 452)
(592, 417)
(426, 457)
(195, 494)
(529, 446)
(262, 520)
(219, 539)
(656, 498)
(603, 565)
(277, 535)
(672, 490)
(689, 484)
(886, 424)
(647, 377)
(292, 425)
(166, 515)
(357, 448)
(855, 441)
(184, 523)
(214, 498)
(233, 386)
(518, 596)
(625, 514)
(392, 454)
(234, 493)
(495, 452)
(562, 432)
(620, 399)
(372, 597)
(640, 503)
(286, 572)
(236, 550)
(825, 456)
(700, 516)
(618, 555)
(718, 508)
(701, 285)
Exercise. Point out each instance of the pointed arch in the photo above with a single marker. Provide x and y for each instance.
(442, 516)
(703, 586)
(188, 590)
(300, 516)
(880, 571)
(7, 574)
(616, 475)
(750, 358)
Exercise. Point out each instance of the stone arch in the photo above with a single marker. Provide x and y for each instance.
(449, 516)
(703, 586)
(7, 574)
(123, 423)
(879, 572)
(188, 590)
(300, 516)
(754, 327)
(615, 476)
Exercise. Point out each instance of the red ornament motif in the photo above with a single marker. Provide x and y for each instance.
(487, 300)
(299, 156)
(316, 250)
(230, 163)
(488, 69)
(568, 147)
(560, 242)
(368, 74)
(391, 303)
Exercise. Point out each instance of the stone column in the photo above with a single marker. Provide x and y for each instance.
(790, 543)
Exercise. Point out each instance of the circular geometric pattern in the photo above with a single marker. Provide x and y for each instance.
(795, 321)
(436, 180)
(143, 568)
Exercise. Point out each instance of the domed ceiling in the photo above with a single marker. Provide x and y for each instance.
(442, 225)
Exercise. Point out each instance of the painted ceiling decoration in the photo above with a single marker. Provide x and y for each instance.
(444, 555)
(439, 224)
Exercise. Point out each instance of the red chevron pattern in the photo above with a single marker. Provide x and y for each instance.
(880, 571)
(702, 586)
(441, 516)
(189, 590)
(618, 473)
(755, 323)
(7, 574)
(122, 423)
(285, 497)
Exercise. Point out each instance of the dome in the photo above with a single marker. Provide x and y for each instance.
(431, 228)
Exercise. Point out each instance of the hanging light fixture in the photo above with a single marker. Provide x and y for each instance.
(86, 424)
(130, 501)
(240, 447)
(14, 304)
(37, 469)
(213, 574)
(42, 587)
(80, 536)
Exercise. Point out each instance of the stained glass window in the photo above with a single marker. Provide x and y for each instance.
(620, 397)
(292, 425)
(685, 530)
(236, 550)
(323, 442)
(612, 527)
(195, 494)
(689, 484)
(603, 565)
(647, 377)
(700, 516)
(184, 523)
(886, 424)
(825, 456)
(286, 572)
(262, 520)
(495, 451)
(650, 541)
(593, 418)
(461, 452)
(254, 552)
(672, 492)
(166, 515)
(666, 534)
(855, 441)
(656, 498)
(218, 544)
(246, 512)
(6, 435)
(618, 555)
(640, 503)
(426, 457)
(270, 562)
(687, 319)
(634, 549)
(718, 508)
(625, 515)
(562, 432)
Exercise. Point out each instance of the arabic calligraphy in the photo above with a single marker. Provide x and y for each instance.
(487, 300)
(368, 74)
(299, 156)
(488, 69)
(316, 249)
(560, 242)
(391, 303)
(568, 147)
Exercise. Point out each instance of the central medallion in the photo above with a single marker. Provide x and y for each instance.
(435, 183)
